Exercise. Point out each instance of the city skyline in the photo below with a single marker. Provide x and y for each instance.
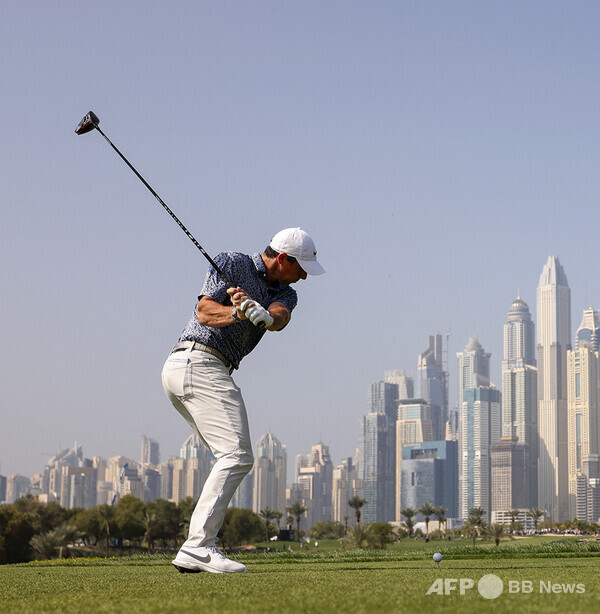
(472, 344)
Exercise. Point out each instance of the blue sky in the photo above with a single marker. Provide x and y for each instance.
(437, 152)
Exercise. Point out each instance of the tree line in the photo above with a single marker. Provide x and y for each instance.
(31, 529)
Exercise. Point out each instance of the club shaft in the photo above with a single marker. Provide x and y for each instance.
(168, 210)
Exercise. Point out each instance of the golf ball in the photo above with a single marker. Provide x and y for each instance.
(437, 557)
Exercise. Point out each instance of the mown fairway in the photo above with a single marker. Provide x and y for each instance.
(394, 580)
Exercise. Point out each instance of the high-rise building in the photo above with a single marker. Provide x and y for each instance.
(583, 428)
(553, 341)
(414, 422)
(588, 333)
(510, 475)
(2, 489)
(345, 486)
(270, 470)
(519, 406)
(479, 424)
(473, 368)
(430, 475)
(242, 497)
(17, 486)
(374, 468)
(413, 426)
(479, 428)
(405, 380)
(434, 384)
(165, 470)
(150, 453)
(315, 476)
(198, 461)
(377, 451)
(519, 336)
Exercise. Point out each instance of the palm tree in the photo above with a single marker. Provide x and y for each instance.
(356, 504)
(475, 524)
(296, 510)
(514, 514)
(267, 514)
(496, 532)
(44, 544)
(409, 513)
(278, 516)
(535, 514)
(471, 527)
(427, 510)
(150, 525)
(440, 513)
(106, 513)
(477, 512)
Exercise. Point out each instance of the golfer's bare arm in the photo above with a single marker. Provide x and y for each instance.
(211, 313)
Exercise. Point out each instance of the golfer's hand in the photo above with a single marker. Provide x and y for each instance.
(257, 314)
(239, 297)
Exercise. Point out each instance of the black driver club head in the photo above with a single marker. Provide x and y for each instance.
(88, 123)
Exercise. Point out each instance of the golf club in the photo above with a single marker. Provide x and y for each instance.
(89, 123)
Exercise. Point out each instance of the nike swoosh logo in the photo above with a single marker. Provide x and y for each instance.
(202, 559)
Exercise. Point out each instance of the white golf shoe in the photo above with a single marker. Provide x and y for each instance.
(208, 558)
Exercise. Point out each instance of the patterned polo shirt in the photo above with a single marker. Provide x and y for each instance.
(240, 338)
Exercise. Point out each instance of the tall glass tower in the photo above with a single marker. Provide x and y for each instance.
(553, 341)
(378, 452)
(434, 385)
(479, 426)
(519, 399)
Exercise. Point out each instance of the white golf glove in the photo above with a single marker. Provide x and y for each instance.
(256, 313)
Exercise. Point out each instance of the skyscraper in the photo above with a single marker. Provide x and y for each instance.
(553, 341)
(405, 381)
(315, 475)
(519, 408)
(345, 486)
(430, 475)
(197, 463)
(519, 336)
(413, 426)
(374, 468)
(270, 468)
(377, 466)
(150, 453)
(479, 423)
(473, 367)
(583, 428)
(434, 384)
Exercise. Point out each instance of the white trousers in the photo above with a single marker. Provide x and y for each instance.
(204, 393)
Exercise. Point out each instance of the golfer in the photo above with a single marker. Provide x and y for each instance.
(226, 326)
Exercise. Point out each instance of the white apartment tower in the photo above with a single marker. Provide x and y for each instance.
(270, 469)
(583, 428)
(553, 341)
(519, 397)
(479, 422)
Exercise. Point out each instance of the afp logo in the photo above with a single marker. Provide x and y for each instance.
(489, 586)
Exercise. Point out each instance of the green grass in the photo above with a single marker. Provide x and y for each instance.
(325, 580)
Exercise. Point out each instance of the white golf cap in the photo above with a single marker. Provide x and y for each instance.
(296, 243)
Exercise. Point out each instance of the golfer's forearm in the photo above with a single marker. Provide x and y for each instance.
(280, 315)
(211, 313)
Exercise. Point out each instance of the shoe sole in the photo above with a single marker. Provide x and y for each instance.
(181, 569)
